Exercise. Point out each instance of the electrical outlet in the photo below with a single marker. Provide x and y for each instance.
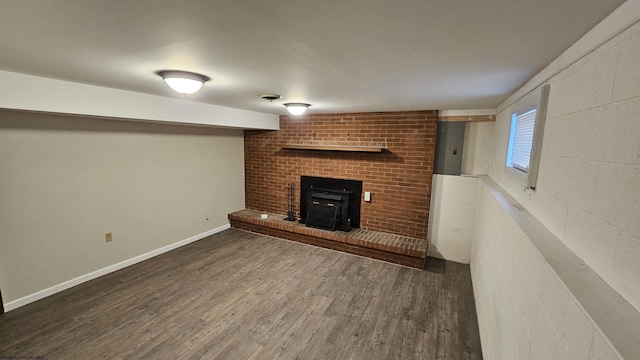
(108, 237)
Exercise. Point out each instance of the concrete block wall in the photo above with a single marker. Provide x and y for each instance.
(587, 197)
(524, 310)
(588, 191)
(453, 202)
(453, 212)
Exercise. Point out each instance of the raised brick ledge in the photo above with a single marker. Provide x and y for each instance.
(383, 246)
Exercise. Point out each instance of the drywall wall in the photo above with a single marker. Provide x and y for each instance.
(453, 211)
(477, 147)
(66, 181)
(34, 93)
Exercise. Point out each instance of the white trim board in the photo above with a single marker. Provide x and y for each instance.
(476, 112)
(106, 270)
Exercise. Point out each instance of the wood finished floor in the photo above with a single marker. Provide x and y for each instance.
(239, 295)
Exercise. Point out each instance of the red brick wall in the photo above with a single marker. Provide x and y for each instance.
(399, 179)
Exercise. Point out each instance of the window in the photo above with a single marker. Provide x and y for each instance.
(521, 138)
(525, 137)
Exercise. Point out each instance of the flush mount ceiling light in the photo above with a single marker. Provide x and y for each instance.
(184, 82)
(296, 108)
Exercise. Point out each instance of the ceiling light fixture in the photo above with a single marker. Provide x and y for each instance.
(296, 108)
(184, 82)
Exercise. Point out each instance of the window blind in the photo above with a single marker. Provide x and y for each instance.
(522, 138)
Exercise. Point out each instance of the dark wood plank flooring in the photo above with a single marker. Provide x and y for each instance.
(240, 295)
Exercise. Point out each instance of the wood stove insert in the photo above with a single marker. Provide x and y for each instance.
(332, 204)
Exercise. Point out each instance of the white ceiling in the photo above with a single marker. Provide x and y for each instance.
(338, 55)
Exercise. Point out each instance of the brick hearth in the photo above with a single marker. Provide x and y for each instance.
(392, 248)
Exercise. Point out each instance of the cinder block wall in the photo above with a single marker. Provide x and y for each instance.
(526, 311)
(453, 213)
(588, 196)
(588, 191)
(398, 178)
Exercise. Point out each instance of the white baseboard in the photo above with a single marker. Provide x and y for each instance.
(109, 269)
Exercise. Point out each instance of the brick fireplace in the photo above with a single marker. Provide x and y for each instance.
(392, 153)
